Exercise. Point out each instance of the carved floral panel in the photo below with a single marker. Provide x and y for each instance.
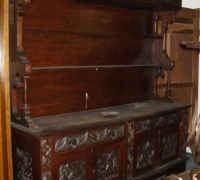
(88, 137)
(145, 153)
(129, 154)
(108, 165)
(73, 171)
(169, 145)
(24, 165)
(46, 159)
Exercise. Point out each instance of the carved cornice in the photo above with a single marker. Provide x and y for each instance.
(21, 5)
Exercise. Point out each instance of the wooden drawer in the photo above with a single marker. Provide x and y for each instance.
(86, 138)
(158, 121)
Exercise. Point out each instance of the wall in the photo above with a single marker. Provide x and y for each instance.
(191, 4)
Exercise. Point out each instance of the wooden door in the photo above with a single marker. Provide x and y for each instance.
(169, 144)
(145, 151)
(109, 162)
(74, 166)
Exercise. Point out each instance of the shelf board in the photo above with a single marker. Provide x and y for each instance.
(191, 44)
(92, 67)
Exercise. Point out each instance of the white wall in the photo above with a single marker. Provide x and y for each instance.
(191, 3)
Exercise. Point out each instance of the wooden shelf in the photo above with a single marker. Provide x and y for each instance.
(191, 44)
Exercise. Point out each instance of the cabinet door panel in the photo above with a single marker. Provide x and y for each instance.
(145, 151)
(169, 144)
(109, 162)
(73, 166)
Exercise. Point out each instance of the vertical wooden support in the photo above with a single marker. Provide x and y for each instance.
(5, 134)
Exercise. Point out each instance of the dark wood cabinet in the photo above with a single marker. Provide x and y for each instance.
(84, 80)
(128, 147)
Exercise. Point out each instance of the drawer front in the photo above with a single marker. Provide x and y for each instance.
(89, 137)
(158, 121)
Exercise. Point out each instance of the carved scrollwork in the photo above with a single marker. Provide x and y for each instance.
(169, 145)
(24, 165)
(129, 157)
(88, 137)
(108, 165)
(146, 153)
(46, 175)
(46, 159)
(46, 152)
(73, 171)
(146, 124)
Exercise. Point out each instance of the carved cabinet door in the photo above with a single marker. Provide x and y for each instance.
(169, 144)
(145, 151)
(76, 165)
(109, 162)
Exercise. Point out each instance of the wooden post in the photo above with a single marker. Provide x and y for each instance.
(5, 133)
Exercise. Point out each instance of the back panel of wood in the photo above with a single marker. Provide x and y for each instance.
(67, 49)
(70, 90)
(66, 15)
(67, 33)
(85, 56)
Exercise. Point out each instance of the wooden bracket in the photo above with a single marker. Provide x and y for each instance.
(24, 118)
(168, 93)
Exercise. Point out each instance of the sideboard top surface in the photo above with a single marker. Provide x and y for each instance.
(104, 116)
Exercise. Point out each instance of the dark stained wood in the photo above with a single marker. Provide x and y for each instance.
(191, 44)
(87, 18)
(85, 145)
(71, 49)
(151, 5)
(83, 76)
(65, 90)
(113, 39)
(29, 157)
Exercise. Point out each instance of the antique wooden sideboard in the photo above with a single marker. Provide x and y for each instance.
(84, 97)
